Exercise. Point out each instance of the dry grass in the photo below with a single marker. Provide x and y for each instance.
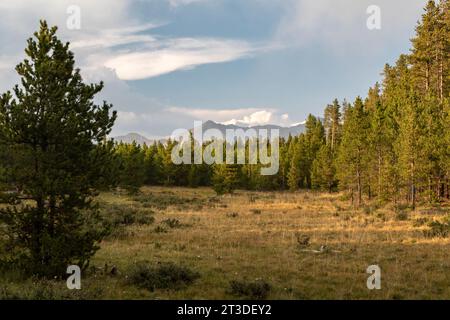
(253, 236)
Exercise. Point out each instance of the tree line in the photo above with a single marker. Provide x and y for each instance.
(393, 145)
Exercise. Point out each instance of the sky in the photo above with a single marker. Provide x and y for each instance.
(166, 63)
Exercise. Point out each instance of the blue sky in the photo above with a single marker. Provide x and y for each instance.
(167, 63)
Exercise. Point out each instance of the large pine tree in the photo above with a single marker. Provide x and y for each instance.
(353, 152)
(55, 136)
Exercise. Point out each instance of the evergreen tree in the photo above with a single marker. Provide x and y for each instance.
(225, 178)
(55, 136)
(151, 168)
(424, 50)
(332, 124)
(323, 169)
(352, 157)
(133, 170)
(380, 139)
(293, 177)
(314, 138)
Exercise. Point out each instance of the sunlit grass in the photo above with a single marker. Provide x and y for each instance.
(253, 235)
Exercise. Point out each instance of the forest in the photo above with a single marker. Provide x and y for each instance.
(393, 145)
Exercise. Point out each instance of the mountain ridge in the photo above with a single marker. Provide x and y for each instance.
(284, 132)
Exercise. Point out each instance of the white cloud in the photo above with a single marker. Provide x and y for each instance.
(152, 55)
(256, 118)
(20, 18)
(115, 40)
(108, 38)
(262, 117)
(243, 116)
(218, 115)
(176, 54)
(112, 45)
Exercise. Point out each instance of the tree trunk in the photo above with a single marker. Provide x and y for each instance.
(413, 187)
(359, 188)
(379, 173)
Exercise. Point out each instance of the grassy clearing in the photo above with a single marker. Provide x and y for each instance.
(274, 245)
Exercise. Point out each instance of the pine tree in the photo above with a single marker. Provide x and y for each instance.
(409, 147)
(424, 50)
(168, 167)
(332, 124)
(225, 178)
(293, 177)
(352, 156)
(284, 162)
(380, 138)
(314, 138)
(446, 160)
(151, 168)
(133, 169)
(429, 65)
(56, 138)
(324, 170)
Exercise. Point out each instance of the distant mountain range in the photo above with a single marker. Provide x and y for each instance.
(284, 132)
(134, 137)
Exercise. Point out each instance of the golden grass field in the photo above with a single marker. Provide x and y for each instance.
(254, 235)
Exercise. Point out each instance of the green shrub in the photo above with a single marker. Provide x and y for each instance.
(161, 276)
(172, 223)
(124, 215)
(232, 215)
(420, 222)
(163, 200)
(35, 289)
(145, 220)
(401, 207)
(302, 239)
(256, 290)
(438, 229)
(119, 233)
(401, 216)
(160, 229)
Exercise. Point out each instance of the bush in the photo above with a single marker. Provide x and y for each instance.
(401, 207)
(172, 223)
(36, 289)
(401, 216)
(256, 290)
(160, 229)
(162, 276)
(119, 233)
(124, 215)
(381, 216)
(232, 215)
(302, 240)
(367, 209)
(163, 200)
(420, 222)
(438, 229)
(256, 211)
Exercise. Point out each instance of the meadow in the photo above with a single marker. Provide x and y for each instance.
(249, 245)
